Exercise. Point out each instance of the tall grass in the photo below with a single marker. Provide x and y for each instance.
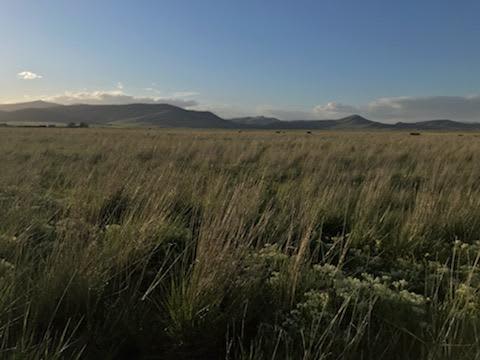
(124, 244)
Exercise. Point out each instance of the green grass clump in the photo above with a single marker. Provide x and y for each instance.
(141, 244)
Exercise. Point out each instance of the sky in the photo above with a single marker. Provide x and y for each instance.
(294, 59)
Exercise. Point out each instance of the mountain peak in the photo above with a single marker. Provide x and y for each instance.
(37, 104)
(355, 118)
(167, 115)
(256, 120)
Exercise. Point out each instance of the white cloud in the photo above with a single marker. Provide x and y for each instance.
(333, 109)
(28, 75)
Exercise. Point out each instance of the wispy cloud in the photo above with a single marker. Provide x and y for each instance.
(153, 90)
(28, 75)
(185, 94)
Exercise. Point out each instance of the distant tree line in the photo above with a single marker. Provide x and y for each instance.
(69, 125)
(80, 125)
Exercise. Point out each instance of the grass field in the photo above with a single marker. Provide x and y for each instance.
(173, 244)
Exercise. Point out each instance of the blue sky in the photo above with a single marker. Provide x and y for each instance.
(389, 60)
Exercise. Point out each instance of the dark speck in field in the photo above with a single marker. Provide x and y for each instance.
(415, 133)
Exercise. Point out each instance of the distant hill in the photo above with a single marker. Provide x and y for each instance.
(355, 122)
(438, 125)
(161, 115)
(27, 105)
(352, 122)
(257, 121)
(164, 115)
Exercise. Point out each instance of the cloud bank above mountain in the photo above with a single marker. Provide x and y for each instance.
(386, 109)
(465, 108)
(119, 97)
(393, 109)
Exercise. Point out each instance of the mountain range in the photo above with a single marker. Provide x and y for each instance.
(169, 116)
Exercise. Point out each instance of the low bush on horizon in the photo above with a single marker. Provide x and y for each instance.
(176, 244)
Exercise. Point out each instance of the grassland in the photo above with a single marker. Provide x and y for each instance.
(159, 244)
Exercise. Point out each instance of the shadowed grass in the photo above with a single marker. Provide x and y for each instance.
(141, 244)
